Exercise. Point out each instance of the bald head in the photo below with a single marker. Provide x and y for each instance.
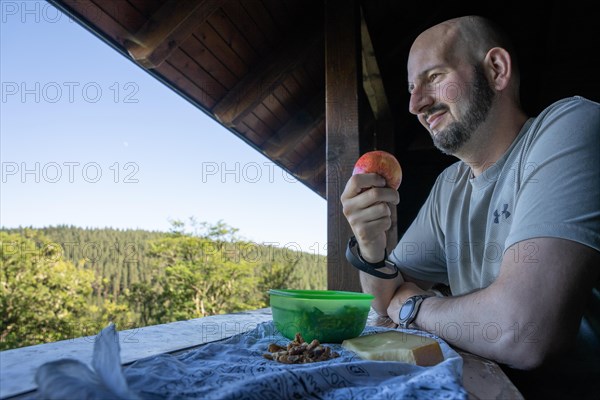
(462, 42)
(469, 38)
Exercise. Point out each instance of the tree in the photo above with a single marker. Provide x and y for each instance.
(43, 298)
(202, 277)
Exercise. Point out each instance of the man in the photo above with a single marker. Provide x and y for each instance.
(513, 228)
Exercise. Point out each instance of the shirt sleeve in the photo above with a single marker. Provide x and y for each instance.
(558, 185)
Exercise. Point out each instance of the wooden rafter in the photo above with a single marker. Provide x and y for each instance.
(372, 82)
(291, 134)
(312, 166)
(168, 28)
(267, 75)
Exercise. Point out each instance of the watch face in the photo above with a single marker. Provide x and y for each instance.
(406, 309)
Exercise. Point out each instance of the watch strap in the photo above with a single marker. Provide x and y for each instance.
(370, 268)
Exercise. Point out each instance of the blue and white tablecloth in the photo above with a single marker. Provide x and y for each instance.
(236, 369)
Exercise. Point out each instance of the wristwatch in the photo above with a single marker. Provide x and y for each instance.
(409, 310)
(372, 269)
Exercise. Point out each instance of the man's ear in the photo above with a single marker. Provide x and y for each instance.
(498, 64)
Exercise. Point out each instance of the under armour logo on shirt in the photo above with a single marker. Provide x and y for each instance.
(504, 212)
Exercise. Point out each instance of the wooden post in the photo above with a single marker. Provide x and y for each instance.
(342, 79)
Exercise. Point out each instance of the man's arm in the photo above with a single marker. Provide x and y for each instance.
(528, 314)
(366, 201)
(386, 301)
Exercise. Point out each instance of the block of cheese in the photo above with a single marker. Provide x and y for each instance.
(396, 346)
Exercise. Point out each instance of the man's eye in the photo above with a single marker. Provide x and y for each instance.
(411, 87)
(432, 77)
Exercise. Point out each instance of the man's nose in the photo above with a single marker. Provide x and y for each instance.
(420, 99)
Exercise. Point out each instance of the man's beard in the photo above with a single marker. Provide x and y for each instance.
(456, 134)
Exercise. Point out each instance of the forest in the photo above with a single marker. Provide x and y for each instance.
(64, 282)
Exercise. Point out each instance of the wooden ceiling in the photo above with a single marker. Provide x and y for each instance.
(257, 66)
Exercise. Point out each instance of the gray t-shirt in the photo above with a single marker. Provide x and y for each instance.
(547, 184)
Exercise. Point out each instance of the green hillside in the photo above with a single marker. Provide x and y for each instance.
(64, 281)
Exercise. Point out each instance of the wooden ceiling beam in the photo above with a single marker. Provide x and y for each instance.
(291, 134)
(167, 29)
(312, 166)
(384, 137)
(267, 75)
(372, 82)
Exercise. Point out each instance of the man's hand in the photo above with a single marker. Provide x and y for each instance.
(365, 201)
(366, 204)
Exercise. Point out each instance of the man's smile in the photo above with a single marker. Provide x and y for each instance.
(435, 119)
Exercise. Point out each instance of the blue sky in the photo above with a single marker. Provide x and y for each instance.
(90, 139)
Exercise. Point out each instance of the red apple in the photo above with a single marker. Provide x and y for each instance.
(382, 163)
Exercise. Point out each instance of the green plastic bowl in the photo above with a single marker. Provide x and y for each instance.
(326, 315)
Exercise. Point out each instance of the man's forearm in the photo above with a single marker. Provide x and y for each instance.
(382, 289)
(530, 313)
(461, 321)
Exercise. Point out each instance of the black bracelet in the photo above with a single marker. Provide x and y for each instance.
(372, 269)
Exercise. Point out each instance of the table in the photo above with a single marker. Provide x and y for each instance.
(483, 379)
